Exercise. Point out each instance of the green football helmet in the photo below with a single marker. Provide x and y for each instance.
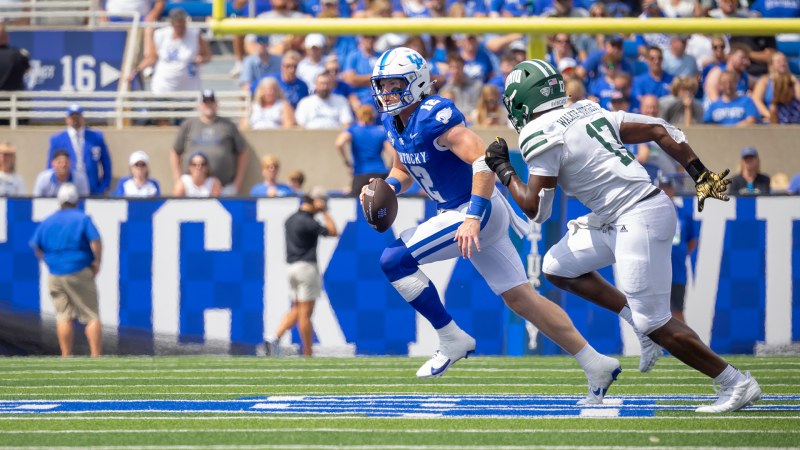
(533, 86)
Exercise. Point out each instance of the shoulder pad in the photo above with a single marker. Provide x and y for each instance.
(536, 138)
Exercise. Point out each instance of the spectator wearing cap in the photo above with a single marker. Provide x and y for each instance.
(50, 180)
(680, 107)
(357, 68)
(655, 81)
(70, 245)
(302, 234)
(619, 102)
(467, 89)
(323, 109)
(198, 182)
(293, 88)
(87, 151)
(676, 61)
(312, 65)
(683, 244)
(138, 184)
(567, 68)
(603, 87)
(594, 66)
(270, 166)
(258, 64)
(11, 184)
(730, 109)
(220, 142)
(176, 52)
(367, 143)
(749, 180)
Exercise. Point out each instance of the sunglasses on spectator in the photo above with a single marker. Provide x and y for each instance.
(140, 164)
(271, 166)
(561, 41)
(718, 47)
(611, 66)
(332, 71)
(202, 164)
(289, 66)
(656, 58)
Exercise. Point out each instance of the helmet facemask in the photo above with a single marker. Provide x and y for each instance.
(381, 99)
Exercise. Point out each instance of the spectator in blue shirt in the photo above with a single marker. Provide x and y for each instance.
(794, 185)
(593, 66)
(259, 64)
(293, 88)
(340, 87)
(138, 184)
(86, 148)
(70, 245)
(677, 62)
(654, 81)
(738, 63)
(514, 8)
(683, 244)
(604, 87)
(777, 9)
(730, 109)
(472, 8)
(477, 64)
(367, 143)
(507, 63)
(50, 180)
(270, 165)
(357, 70)
(644, 40)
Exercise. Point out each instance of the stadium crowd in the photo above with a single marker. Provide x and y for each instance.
(322, 82)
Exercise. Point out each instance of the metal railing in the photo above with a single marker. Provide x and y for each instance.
(31, 8)
(116, 106)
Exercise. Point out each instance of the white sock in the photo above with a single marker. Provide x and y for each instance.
(627, 315)
(447, 331)
(588, 358)
(731, 376)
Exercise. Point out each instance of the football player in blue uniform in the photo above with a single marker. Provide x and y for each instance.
(436, 150)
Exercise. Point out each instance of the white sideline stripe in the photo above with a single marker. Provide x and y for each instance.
(386, 447)
(384, 430)
(250, 416)
(304, 369)
(298, 385)
(312, 377)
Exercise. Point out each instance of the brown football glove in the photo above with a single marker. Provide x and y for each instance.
(712, 185)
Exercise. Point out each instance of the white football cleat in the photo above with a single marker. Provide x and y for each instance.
(439, 363)
(651, 352)
(272, 347)
(600, 381)
(734, 398)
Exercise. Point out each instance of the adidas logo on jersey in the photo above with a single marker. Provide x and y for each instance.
(623, 229)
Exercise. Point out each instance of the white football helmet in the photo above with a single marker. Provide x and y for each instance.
(410, 67)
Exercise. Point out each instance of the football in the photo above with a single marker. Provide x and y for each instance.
(379, 205)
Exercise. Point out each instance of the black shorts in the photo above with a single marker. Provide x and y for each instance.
(362, 180)
(677, 297)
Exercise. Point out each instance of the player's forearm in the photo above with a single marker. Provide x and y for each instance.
(523, 195)
(638, 129)
(483, 184)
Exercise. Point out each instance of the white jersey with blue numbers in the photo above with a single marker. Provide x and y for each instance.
(443, 175)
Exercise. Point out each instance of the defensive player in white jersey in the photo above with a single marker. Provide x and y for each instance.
(436, 150)
(632, 223)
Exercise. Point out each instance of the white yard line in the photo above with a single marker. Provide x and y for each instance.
(416, 384)
(385, 447)
(251, 416)
(349, 369)
(386, 430)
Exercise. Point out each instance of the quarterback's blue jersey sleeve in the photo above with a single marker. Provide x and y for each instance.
(438, 115)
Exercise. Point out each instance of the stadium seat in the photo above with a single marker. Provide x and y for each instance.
(789, 48)
(794, 65)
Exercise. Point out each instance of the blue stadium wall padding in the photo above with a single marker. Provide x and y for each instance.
(225, 270)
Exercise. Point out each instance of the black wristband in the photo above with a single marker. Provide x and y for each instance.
(505, 171)
(697, 171)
